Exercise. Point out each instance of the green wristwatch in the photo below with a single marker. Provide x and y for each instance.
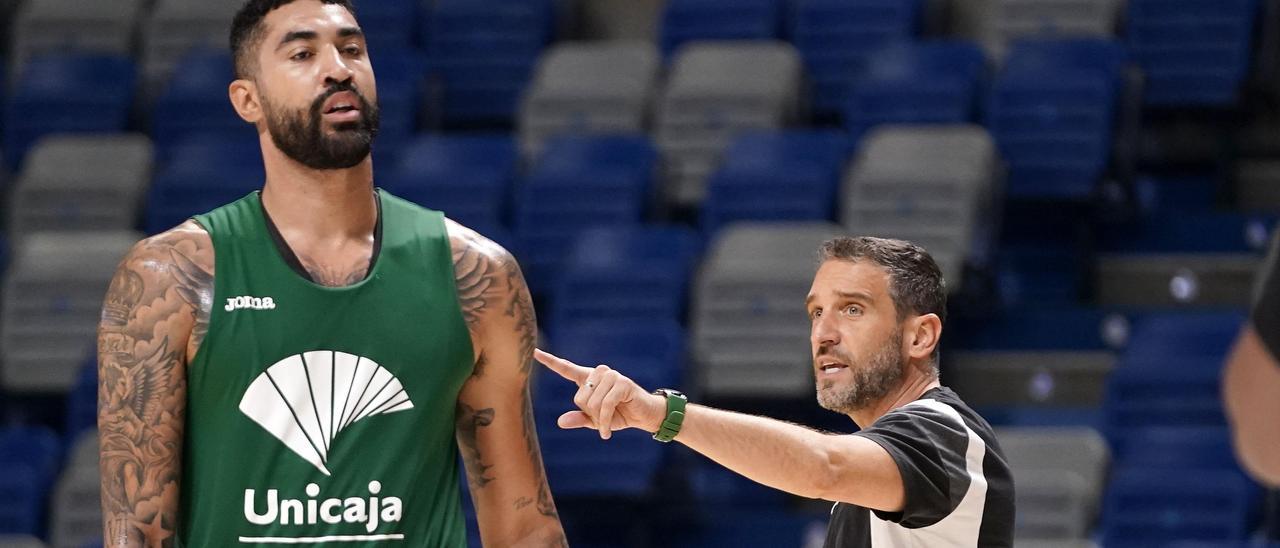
(675, 414)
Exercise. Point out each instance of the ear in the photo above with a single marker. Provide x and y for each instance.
(922, 335)
(245, 99)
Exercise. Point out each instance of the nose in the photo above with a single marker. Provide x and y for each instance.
(335, 69)
(824, 333)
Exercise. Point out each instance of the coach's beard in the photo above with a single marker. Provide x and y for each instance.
(300, 134)
(872, 380)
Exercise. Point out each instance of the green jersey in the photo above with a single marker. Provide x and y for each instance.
(320, 414)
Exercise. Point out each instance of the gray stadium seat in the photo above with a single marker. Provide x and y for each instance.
(750, 337)
(20, 541)
(1258, 181)
(715, 91)
(45, 26)
(932, 185)
(177, 26)
(586, 87)
(1166, 280)
(1011, 378)
(81, 183)
(996, 23)
(76, 509)
(52, 303)
(1059, 473)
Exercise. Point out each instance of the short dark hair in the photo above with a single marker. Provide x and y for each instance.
(247, 31)
(915, 281)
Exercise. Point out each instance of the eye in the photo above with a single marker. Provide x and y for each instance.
(853, 310)
(352, 50)
(815, 314)
(301, 55)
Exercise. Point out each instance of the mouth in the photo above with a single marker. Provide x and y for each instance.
(827, 367)
(341, 106)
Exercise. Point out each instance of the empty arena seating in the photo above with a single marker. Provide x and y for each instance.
(789, 175)
(928, 82)
(580, 182)
(52, 303)
(693, 20)
(933, 185)
(625, 273)
(837, 38)
(194, 100)
(30, 456)
(1193, 53)
(174, 28)
(714, 91)
(70, 26)
(748, 328)
(1055, 96)
(588, 88)
(998, 23)
(1060, 474)
(468, 177)
(200, 174)
(67, 93)
(481, 54)
(81, 183)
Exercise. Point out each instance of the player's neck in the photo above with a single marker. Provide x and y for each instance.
(915, 384)
(324, 204)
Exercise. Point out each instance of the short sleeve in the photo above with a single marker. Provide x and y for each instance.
(1266, 306)
(929, 448)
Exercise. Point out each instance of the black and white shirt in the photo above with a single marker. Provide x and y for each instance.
(1266, 307)
(959, 491)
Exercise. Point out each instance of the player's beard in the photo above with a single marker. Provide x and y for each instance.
(300, 134)
(872, 380)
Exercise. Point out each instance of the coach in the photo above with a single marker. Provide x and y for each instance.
(924, 470)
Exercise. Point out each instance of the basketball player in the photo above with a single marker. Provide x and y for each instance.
(303, 365)
(924, 470)
(1251, 382)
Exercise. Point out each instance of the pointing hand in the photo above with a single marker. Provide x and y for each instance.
(607, 400)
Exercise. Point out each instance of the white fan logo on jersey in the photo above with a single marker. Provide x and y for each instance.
(305, 400)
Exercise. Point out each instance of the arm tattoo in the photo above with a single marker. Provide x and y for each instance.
(474, 273)
(546, 504)
(469, 422)
(521, 309)
(150, 308)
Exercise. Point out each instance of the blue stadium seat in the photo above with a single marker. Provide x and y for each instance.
(64, 94)
(1052, 111)
(1163, 392)
(468, 177)
(195, 101)
(625, 273)
(837, 38)
(1177, 335)
(35, 447)
(1152, 507)
(776, 176)
(482, 53)
(21, 500)
(931, 82)
(202, 173)
(1177, 448)
(82, 401)
(1040, 275)
(690, 20)
(400, 74)
(388, 25)
(657, 345)
(1194, 53)
(580, 182)
(1190, 232)
(1032, 328)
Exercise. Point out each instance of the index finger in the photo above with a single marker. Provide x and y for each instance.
(562, 367)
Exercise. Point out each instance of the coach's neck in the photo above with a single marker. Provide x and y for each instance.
(916, 380)
(327, 204)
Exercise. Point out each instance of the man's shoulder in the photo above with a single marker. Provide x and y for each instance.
(186, 243)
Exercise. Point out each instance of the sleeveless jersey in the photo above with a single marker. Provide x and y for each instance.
(320, 415)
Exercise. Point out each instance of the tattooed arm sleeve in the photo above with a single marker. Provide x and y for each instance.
(495, 428)
(154, 316)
